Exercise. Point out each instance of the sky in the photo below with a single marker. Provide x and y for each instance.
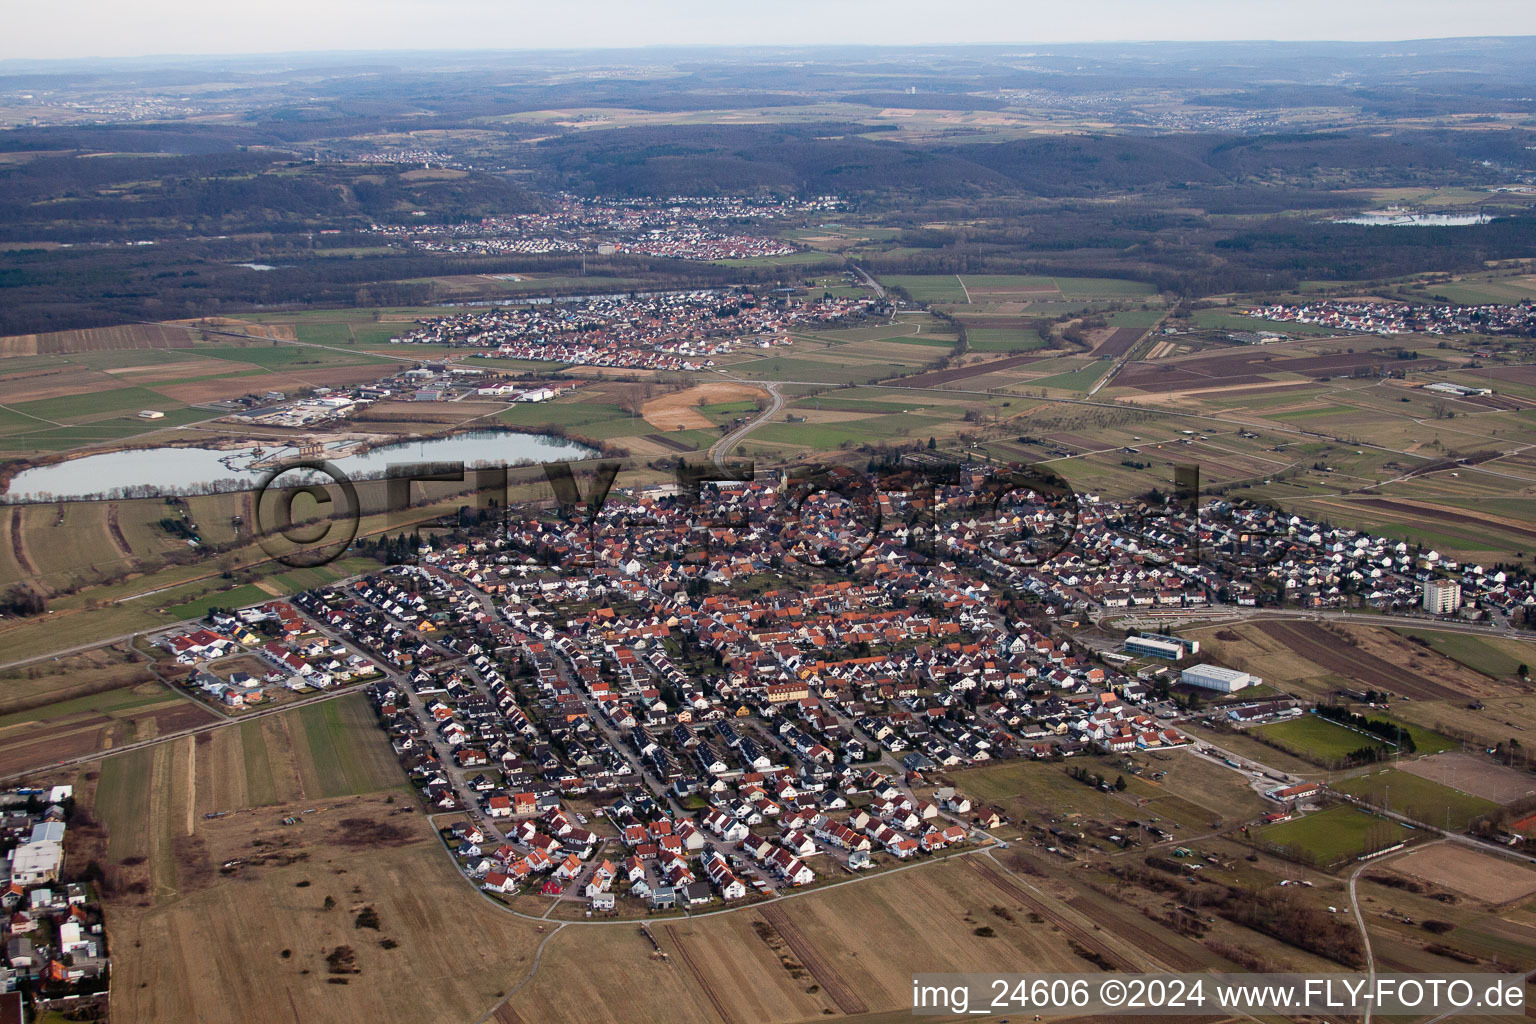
(114, 28)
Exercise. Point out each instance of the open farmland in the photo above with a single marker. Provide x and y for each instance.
(216, 953)
(85, 725)
(1353, 658)
(851, 949)
(681, 410)
(1497, 657)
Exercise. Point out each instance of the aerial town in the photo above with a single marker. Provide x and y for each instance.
(726, 741)
(672, 517)
(1402, 318)
(679, 227)
(672, 331)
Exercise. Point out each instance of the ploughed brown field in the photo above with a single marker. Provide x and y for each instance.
(1249, 367)
(935, 378)
(1333, 653)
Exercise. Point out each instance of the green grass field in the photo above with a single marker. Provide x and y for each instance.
(1421, 799)
(927, 287)
(1315, 739)
(1496, 658)
(1103, 288)
(1327, 837)
(995, 339)
(239, 597)
(1080, 379)
(94, 404)
(348, 753)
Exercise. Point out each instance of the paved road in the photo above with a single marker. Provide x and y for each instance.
(721, 449)
(869, 282)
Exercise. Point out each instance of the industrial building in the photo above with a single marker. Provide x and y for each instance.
(1156, 647)
(1161, 646)
(1214, 677)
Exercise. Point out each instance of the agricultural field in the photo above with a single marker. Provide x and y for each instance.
(1331, 836)
(80, 726)
(1403, 792)
(823, 953)
(1498, 657)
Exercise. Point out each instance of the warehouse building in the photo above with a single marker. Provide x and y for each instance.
(1214, 677)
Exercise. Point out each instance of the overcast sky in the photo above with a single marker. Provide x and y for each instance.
(122, 28)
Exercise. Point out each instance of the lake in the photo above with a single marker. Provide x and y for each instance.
(194, 470)
(1417, 220)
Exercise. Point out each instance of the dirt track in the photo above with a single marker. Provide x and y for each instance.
(18, 546)
(810, 957)
(1068, 928)
(118, 540)
(681, 951)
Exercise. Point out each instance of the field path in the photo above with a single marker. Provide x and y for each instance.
(502, 1012)
(116, 532)
(18, 544)
(964, 289)
(698, 975)
(1073, 929)
(825, 974)
(191, 787)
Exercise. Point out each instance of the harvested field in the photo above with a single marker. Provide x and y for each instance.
(214, 955)
(1422, 511)
(825, 974)
(936, 378)
(700, 979)
(866, 939)
(1120, 341)
(99, 339)
(679, 410)
(1475, 775)
(1325, 649)
(1016, 892)
(671, 443)
(1484, 876)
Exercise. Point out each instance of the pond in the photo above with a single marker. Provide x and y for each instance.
(200, 470)
(1399, 219)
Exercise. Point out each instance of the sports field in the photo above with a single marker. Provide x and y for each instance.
(1419, 798)
(1329, 836)
(1316, 739)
